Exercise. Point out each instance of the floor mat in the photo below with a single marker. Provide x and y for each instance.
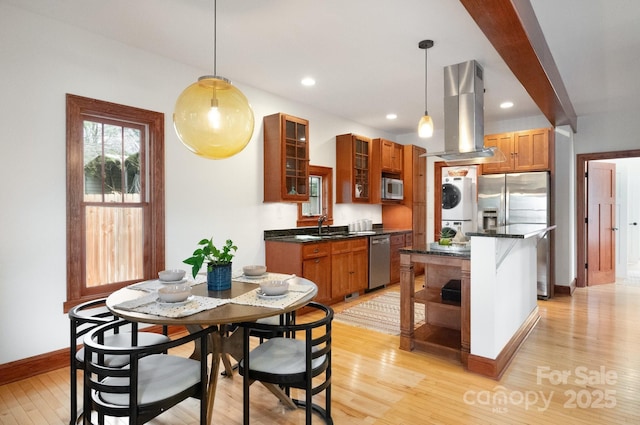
(380, 314)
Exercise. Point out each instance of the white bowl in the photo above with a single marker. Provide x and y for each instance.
(174, 293)
(274, 287)
(171, 275)
(254, 270)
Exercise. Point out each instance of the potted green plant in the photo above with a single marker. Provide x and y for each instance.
(218, 263)
(446, 235)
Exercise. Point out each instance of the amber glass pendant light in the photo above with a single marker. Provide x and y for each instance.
(425, 126)
(213, 118)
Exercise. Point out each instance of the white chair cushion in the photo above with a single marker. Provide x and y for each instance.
(271, 320)
(159, 376)
(281, 356)
(123, 339)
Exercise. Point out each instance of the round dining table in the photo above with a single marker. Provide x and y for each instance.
(223, 343)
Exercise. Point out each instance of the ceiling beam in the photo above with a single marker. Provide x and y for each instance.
(513, 29)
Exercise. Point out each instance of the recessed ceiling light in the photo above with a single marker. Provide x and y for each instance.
(308, 81)
(506, 105)
(391, 116)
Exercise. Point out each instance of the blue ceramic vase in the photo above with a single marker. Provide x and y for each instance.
(218, 277)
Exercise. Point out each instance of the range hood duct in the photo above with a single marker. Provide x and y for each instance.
(464, 115)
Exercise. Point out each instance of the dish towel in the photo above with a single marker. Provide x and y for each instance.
(155, 284)
(149, 304)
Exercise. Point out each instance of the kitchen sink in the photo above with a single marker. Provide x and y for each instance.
(308, 237)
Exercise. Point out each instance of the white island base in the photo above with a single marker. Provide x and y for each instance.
(503, 300)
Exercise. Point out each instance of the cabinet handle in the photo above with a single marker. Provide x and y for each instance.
(316, 250)
(317, 261)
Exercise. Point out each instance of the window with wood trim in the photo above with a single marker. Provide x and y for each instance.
(115, 197)
(320, 197)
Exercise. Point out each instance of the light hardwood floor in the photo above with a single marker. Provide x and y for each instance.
(580, 365)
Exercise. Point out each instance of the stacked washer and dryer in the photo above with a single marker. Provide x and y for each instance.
(458, 202)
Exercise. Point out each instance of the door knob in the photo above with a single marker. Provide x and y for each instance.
(635, 223)
(614, 228)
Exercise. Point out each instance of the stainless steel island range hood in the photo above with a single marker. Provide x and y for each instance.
(464, 116)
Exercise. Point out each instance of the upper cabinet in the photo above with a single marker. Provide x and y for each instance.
(530, 150)
(286, 158)
(391, 156)
(355, 170)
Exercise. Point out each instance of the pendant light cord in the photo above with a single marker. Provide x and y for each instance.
(215, 30)
(426, 68)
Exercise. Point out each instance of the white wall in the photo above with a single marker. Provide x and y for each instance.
(42, 60)
(565, 212)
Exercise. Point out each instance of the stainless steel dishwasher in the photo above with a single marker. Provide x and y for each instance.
(379, 261)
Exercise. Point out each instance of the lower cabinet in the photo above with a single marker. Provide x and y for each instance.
(338, 267)
(309, 260)
(396, 242)
(316, 266)
(349, 266)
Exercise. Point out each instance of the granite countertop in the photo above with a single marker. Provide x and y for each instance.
(434, 249)
(310, 234)
(517, 231)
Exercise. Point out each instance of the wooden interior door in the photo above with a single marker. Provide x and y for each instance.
(601, 202)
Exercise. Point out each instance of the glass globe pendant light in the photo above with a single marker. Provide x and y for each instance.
(213, 118)
(425, 126)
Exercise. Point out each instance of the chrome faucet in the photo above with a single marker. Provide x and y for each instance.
(320, 221)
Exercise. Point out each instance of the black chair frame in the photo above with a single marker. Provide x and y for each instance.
(314, 348)
(83, 318)
(96, 371)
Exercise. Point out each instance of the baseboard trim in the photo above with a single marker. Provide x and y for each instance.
(494, 368)
(565, 290)
(32, 366)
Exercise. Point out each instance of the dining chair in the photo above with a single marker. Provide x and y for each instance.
(83, 318)
(299, 358)
(151, 382)
(262, 335)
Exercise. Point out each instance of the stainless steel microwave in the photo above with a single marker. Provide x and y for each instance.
(392, 189)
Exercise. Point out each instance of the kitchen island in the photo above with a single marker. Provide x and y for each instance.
(498, 297)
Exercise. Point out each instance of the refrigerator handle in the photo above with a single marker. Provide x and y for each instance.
(506, 202)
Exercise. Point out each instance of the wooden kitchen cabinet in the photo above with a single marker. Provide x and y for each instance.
(316, 266)
(355, 169)
(413, 213)
(525, 151)
(349, 266)
(339, 267)
(397, 241)
(309, 260)
(286, 158)
(391, 156)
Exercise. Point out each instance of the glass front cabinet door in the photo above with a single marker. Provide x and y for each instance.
(353, 169)
(286, 158)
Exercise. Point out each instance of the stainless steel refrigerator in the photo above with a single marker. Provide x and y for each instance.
(518, 198)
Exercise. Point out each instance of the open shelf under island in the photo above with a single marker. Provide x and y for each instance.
(498, 298)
